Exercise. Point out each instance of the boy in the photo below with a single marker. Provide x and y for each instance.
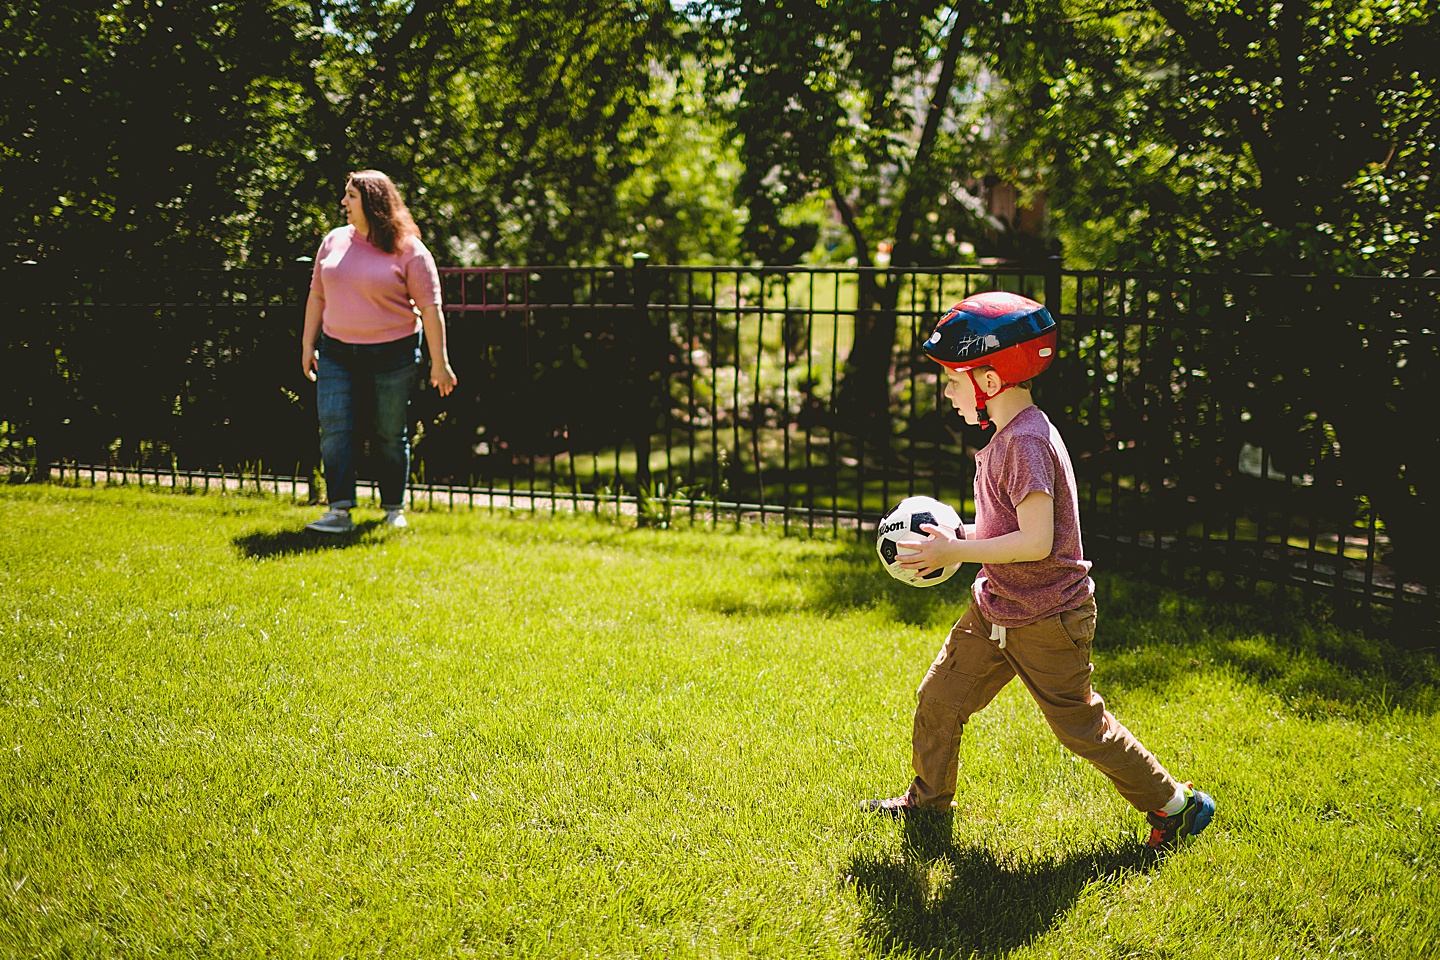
(1033, 614)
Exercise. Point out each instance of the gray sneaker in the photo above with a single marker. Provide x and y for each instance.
(396, 519)
(334, 521)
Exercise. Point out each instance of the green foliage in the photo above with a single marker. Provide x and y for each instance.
(542, 736)
(1288, 136)
(222, 133)
(878, 110)
(1285, 137)
(121, 124)
(1281, 137)
(679, 202)
(874, 107)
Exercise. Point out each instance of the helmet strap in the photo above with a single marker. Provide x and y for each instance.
(982, 398)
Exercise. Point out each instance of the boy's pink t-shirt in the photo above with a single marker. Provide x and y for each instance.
(1025, 456)
(372, 296)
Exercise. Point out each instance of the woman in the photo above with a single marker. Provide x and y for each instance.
(373, 289)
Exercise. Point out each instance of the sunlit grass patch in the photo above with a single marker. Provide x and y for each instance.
(556, 736)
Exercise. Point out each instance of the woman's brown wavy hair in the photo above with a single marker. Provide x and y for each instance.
(389, 219)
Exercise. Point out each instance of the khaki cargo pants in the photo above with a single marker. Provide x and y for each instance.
(1052, 659)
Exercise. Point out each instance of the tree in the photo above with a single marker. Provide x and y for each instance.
(121, 124)
(205, 133)
(874, 107)
(679, 202)
(1289, 136)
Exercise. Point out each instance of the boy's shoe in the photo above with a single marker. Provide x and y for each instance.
(896, 807)
(1167, 832)
(396, 519)
(334, 521)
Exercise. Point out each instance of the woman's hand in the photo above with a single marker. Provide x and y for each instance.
(310, 335)
(442, 378)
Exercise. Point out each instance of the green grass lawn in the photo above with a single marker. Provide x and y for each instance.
(493, 736)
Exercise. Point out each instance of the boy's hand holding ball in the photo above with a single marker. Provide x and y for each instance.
(914, 539)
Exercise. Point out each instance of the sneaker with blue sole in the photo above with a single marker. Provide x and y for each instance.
(1168, 832)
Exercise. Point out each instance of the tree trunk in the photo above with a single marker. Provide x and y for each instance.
(864, 393)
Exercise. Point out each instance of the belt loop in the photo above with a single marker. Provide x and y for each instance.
(997, 632)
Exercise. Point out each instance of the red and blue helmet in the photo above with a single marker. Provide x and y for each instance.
(1013, 334)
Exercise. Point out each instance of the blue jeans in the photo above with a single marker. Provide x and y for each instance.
(362, 385)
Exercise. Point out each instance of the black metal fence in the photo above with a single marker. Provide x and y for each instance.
(1262, 429)
(1271, 434)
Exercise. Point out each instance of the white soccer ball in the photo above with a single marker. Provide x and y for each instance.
(903, 524)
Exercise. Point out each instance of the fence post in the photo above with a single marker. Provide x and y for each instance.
(1053, 265)
(646, 372)
(35, 371)
(310, 450)
(1054, 293)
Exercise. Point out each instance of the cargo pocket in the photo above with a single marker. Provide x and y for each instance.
(1079, 626)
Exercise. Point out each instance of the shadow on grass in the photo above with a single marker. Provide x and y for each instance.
(1148, 635)
(852, 578)
(936, 899)
(257, 546)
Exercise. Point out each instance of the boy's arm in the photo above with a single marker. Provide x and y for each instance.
(1033, 541)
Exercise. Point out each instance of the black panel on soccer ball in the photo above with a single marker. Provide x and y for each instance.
(888, 551)
(917, 520)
